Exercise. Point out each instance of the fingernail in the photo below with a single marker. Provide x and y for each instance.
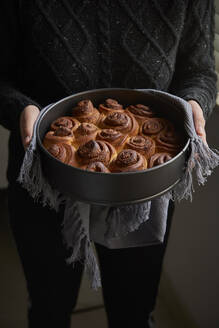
(27, 139)
(200, 129)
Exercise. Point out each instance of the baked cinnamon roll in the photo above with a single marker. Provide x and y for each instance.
(152, 126)
(60, 135)
(66, 122)
(85, 112)
(128, 160)
(84, 133)
(114, 137)
(158, 159)
(168, 140)
(97, 167)
(64, 153)
(122, 122)
(140, 112)
(96, 151)
(110, 105)
(143, 145)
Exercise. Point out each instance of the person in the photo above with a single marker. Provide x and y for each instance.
(51, 49)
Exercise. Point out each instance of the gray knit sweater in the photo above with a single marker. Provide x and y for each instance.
(53, 48)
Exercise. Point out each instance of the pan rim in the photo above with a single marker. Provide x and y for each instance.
(148, 170)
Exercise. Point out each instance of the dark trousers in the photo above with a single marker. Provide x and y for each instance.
(130, 277)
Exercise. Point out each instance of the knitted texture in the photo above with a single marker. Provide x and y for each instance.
(81, 45)
(105, 43)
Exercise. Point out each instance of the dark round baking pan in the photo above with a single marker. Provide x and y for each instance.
(113, 188)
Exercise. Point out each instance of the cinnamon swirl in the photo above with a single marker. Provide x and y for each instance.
(140, 112)
(64, 153)
(143, 145)
(110, 105)
(85, 112)
(152, 126)
(60, 135)
(122, 122)
(158, 159)
(96, 151)
(84, 133)
(128, 160)
(114, 137)
(66, 122)
(96, 167)
(168, 140)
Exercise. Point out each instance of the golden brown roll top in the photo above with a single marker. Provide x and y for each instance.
(168, 140)
(65, 121)
(96, 167)
(64, 153)
(140, 112)
(158, 159)
(143, 145)
(96, 151)
(122, 122)
(84, 133)
(152, 126)
(60, 135)
(110, 105)
(128, 160)
(85, 112)
(114, 137)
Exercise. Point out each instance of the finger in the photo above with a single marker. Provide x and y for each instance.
(199, 120)
(28, 118)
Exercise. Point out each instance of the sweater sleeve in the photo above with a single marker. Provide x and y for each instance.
(195, 76)
(12, 101)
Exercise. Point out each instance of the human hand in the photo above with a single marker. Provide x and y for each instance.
(198, 119)
(27, 119)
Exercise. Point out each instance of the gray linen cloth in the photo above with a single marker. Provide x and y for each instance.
(122, 226)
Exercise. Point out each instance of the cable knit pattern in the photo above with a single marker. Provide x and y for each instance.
(145, 32)
(71, 46)
(199, 70)
(104, 41)
(62, 31)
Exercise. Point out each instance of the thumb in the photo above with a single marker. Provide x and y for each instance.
(198, 119)
(27, 120)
